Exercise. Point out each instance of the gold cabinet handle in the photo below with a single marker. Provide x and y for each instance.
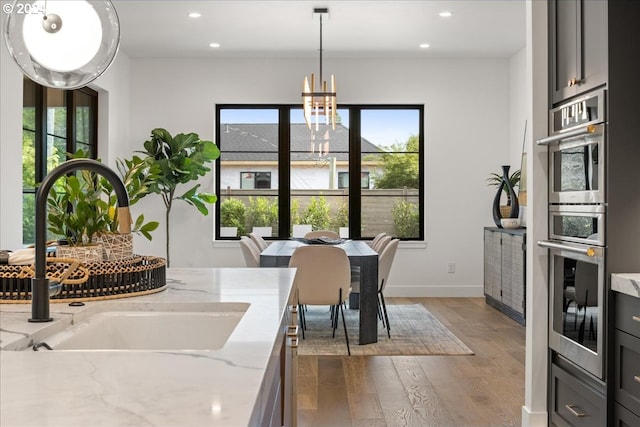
(294, 342)
(572, 409)
(292, 331)
(636, 318)
(636, 378)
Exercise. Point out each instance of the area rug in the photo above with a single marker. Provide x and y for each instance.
(414, 331)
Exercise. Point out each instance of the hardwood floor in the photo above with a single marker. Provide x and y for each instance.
(486, 389)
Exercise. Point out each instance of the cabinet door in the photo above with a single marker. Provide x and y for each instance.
(513, 272)
(578, 46)
(492, 265)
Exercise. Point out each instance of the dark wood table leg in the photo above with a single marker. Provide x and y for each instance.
(368, 300)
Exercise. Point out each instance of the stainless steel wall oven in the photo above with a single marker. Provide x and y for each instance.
(577, 236)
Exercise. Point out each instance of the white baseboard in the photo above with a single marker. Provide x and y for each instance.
(434, 291)
(534, 419)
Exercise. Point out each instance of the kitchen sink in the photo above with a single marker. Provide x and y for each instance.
(160, 327)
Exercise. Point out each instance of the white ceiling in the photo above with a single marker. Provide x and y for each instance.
(355, 28)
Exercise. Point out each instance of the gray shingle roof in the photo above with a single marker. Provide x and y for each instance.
(259, 142)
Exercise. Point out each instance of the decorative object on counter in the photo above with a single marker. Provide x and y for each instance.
(139, 275)
(180, 159)
(510, 222)
(505, 183)
(62, 44)
(90, 227)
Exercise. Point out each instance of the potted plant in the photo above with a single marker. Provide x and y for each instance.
(232, 218)
(180, 159)
(136, 175)
(262, 215)
(76, 213)
(496, 179)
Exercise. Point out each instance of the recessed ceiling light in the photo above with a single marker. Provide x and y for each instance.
(446, 14)
(195, 14)
(424, 45)
(214, 45)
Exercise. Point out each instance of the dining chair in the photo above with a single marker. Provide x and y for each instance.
(381, 244)
(384, 269)
(376, 238)
(250, 251)
(259, 241)
(322, 278)
(322, 233)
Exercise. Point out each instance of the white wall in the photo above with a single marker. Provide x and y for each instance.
(467, 136)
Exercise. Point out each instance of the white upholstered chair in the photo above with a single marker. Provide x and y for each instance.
(385, 261)
(322, 278)
(250, 252)
(381, 243)
(259, 241)
(377, 237)
(322, 233)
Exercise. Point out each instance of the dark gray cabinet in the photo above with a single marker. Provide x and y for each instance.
(578, 47)
(627, 354)
(575, 400)
(504, 271)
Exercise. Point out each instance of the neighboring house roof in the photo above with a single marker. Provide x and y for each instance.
(259, 142)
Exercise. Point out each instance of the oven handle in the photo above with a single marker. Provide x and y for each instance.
(577, 132)
(589, 251)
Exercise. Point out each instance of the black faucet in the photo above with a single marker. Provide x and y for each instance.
(40, 289)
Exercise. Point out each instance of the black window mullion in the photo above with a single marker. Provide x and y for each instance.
(355, 167)
(71, 121)
(40, 139)
(284, 174)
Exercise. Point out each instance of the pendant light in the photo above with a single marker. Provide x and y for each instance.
(62, 44)
(321, 102)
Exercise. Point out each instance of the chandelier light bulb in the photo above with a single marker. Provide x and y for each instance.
(67, 46)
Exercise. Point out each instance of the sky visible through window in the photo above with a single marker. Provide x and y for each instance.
(382, 127)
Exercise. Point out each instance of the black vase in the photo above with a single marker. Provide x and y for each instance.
(515, 207)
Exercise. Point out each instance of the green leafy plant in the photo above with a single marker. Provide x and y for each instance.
(137, 175)
(406, 218)
(295, 214)
(317, 213)
(233, 214)
(180, 159)
(341, 219)
(495, 180)
(75, 211)
(261, 212)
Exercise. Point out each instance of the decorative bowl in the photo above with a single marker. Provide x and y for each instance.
(510, 222)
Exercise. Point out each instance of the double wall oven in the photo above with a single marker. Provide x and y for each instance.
(577, 236)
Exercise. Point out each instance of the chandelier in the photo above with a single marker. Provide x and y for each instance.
(316, 103)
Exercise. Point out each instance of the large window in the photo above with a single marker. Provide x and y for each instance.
(361, 178)
(54, 122)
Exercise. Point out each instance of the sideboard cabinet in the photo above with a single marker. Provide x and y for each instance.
(504, 271)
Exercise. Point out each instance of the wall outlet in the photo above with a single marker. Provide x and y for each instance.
(451, 267)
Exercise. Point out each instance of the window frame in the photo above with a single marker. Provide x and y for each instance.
(355, 157)
(41, 129)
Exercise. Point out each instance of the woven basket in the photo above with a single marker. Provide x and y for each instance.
(85, 253)
(115, 246)
(138, 275)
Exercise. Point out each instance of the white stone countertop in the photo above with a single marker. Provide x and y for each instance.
(627, 283)
(148, 388)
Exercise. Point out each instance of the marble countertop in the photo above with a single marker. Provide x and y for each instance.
(626, 283)
(147, 388)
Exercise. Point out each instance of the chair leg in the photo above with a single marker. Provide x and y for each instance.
(302, 319)
(344, 324)
(386, 316)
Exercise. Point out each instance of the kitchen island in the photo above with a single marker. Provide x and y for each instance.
(232, 386)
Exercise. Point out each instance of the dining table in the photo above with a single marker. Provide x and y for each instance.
(361, 255)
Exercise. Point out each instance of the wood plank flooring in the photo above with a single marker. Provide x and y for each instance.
(486, 389)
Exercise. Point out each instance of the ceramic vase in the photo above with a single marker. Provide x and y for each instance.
(505, 185)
